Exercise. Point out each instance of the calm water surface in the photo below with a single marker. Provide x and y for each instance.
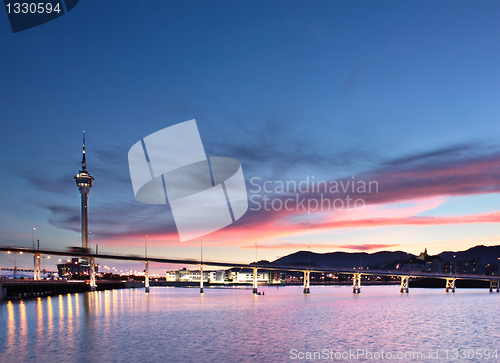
(233, 325)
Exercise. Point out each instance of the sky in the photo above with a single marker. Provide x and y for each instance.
(401, 94)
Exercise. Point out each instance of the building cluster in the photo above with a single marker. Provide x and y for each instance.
(75, 266)
(234, 275)
(428, 263)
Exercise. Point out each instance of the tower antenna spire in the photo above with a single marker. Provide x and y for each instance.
(84, 163)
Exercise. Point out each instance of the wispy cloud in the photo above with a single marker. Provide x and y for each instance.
(368, 247)
(316, 246)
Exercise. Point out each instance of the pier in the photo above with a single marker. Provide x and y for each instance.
(18, 289)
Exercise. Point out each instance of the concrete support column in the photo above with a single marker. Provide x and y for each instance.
(307, 275)
(356, 283)
(450, 285)
(255, 280)
(494, 285)
(405, 284)
(146, 279)
(93, 284)
(36, 269)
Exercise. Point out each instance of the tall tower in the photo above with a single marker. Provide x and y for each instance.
(84, 182)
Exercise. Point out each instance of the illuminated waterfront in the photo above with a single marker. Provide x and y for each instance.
(234, 325)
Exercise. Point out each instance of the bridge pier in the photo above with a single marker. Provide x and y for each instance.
(307, 278)
(36, 268)
(356, 283)
(450, 284)
(146, 279)
(405, 284)
(201, 279)
(494, 285)
(93, 284)
(255, 280)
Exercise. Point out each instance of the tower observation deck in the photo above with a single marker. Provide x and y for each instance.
(84, 182)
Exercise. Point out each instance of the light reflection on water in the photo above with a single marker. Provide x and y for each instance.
(233, 325)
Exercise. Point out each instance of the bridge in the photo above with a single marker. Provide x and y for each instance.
(307, 270)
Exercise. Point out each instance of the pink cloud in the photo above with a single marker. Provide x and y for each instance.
(368, 247)
(303, 246)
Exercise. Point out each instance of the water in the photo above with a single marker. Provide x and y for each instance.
(233, 325)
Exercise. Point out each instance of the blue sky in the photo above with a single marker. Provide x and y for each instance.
(290, 89)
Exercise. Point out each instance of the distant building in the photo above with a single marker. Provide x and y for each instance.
(190, 275)
(423, 256)
(246, 276)
(424, 262)
(74, 267)
(235, 275)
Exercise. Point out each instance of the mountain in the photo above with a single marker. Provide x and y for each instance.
(382, 259)
(486, 254)
(342, 259)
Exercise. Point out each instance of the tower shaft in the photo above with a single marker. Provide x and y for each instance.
(85, 219)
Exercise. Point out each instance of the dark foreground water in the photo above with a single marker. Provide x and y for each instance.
(233, 325)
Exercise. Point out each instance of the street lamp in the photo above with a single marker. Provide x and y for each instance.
(15, 261)
(201, 266)
(146, 269)
(34, 255)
